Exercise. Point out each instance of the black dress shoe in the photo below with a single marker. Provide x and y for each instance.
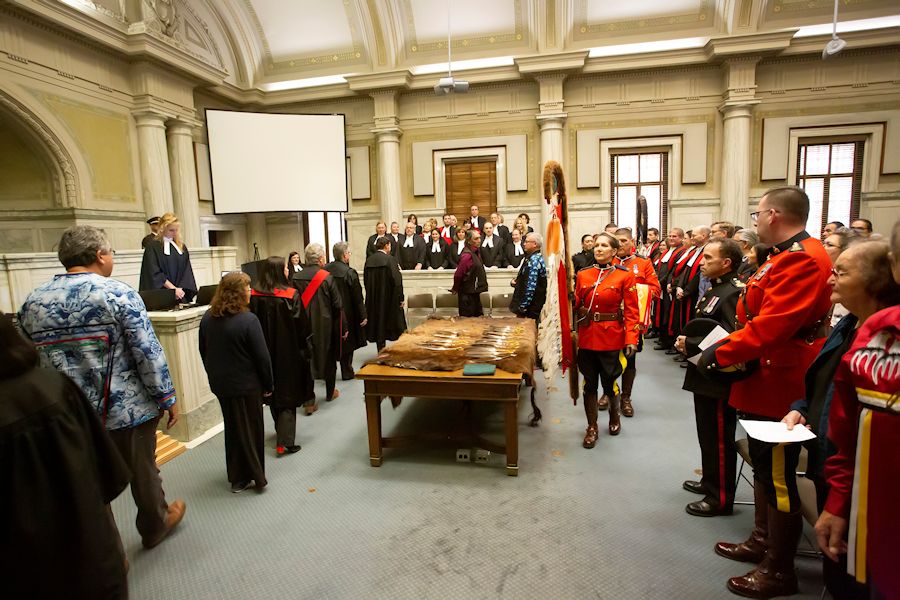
(672, 351)
(694, 487)
(348, 376)
(659, 347)
(651, 336)
(702, 508)
(683, 365)
(680, 358)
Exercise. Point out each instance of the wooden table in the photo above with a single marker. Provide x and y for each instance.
(381, 381)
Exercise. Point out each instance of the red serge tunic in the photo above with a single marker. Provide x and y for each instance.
(643, 272)
(864, 474)
(616, 291)
(787, 294)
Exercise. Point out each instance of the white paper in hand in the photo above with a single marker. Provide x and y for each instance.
(711, 338)
(776, 432)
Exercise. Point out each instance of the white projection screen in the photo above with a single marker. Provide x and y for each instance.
(263, 162)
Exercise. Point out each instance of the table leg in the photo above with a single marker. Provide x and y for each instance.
(512, 439)
(373, 421)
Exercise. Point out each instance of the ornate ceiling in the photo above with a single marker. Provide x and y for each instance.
(270, 50)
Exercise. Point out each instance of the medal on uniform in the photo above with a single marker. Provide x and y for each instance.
(762, 272)
(707, 310)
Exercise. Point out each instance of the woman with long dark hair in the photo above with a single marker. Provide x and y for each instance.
(286, 327)
(607, 312)
(237, 362)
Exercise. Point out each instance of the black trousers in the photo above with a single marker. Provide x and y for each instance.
(775, 468)
(347, 364)
(470, 305)
(716, 423)
(600, 368)
(245, 458)
(285, 425)
(137, 445)
(330, 376)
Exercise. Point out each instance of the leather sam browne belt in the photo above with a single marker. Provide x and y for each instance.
(585, 315)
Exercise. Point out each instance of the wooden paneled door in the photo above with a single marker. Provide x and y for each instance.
(471, 182)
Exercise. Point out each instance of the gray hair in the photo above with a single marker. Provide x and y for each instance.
(702, 229)
(314, 252)
(536, 238)
(339, 250)
(471, 233)
(748, 237)
(79, 244)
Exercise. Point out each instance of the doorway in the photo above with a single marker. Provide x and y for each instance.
(471, 182)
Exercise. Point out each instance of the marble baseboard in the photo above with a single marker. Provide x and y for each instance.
(195, 423)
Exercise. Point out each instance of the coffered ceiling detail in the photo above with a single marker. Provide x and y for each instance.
(595, 20)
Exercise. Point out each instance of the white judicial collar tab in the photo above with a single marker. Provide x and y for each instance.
(297, 268)
(668, 254)
(488, 242)
(409, 242)
(518, 247)
(170, 243)
(460, 246)
(695, 256)
(435, 246)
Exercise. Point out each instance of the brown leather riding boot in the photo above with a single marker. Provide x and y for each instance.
(775, 576)
(590, 411)
(615, 424)
(627, 385)
(754, 549)
(603, 403)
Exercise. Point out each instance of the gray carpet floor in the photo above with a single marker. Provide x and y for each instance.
(575, 523)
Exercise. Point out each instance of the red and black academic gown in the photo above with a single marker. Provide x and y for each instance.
(689, 281)
(448, 233)
(285, 325)
(326, 316)
(864, 474)
(665, 274)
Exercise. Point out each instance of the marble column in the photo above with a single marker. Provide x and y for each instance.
(389, 182)
(552, 127)
(184, 180)
(735, 187)
(156, 181)
(257, 233)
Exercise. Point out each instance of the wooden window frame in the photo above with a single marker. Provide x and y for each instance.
(856, 174)
(663, 183)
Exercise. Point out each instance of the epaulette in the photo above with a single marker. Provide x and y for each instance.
(620, 267)
(797, 247)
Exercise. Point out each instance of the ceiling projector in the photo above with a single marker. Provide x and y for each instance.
(446, 85)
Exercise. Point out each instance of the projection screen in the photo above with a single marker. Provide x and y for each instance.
(263, 162)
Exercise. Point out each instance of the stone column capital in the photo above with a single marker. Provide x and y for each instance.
(387, 134)
(551, 120)
(737, 108)
(182, 126)
(149, 118)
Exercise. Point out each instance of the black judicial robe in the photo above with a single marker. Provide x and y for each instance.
(384, 293)
(436, 260)
(503, 232)
(59, 471)
(410, 257)
(453, 257)
(348, 285)
(496, 256)
(511, 259)
(285, 325)
(157, 267)
(326, 316)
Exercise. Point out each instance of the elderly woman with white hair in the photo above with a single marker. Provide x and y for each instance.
(322, 301)
(747, 240)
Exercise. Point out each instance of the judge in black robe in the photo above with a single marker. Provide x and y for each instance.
(347, 280)
(167, 264)
(457, 248)
(380, 230)
(500, 229)
(515, 252)
(492, 252)
(437, 252)
(326, 316)
(412, 250)
(384, 297)
(285, 325)
(60, 471)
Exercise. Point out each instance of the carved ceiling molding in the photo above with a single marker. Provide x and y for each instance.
(582, 30)
(66, 184)
(414, 46)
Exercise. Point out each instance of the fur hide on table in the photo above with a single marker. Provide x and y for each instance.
(448, 344)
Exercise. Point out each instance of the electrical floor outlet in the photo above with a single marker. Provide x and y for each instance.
(482, 456)
(463, 455)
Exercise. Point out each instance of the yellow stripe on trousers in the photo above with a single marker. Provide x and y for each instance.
(623, 360)
(862, 501)
(782, 499)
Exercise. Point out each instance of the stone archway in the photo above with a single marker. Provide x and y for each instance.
(67, 184)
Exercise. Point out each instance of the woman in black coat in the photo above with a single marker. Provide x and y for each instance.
(456, 248)
(286, 327)
(237, 362)
(437, 252)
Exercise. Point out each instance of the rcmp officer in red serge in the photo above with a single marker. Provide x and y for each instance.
(781, 318)
(716, 420)
(644, 273)
(606, 306)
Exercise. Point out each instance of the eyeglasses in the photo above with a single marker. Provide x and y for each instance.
(754, 216)
(837, 273)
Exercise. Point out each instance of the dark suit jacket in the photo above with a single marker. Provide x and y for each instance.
(496, 256)
(395, 246)
(503, 232)
(583, 259)
(453, 255)
(436, 260)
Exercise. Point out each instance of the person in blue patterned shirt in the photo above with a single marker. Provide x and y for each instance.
(531, 281)
(96, 330)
